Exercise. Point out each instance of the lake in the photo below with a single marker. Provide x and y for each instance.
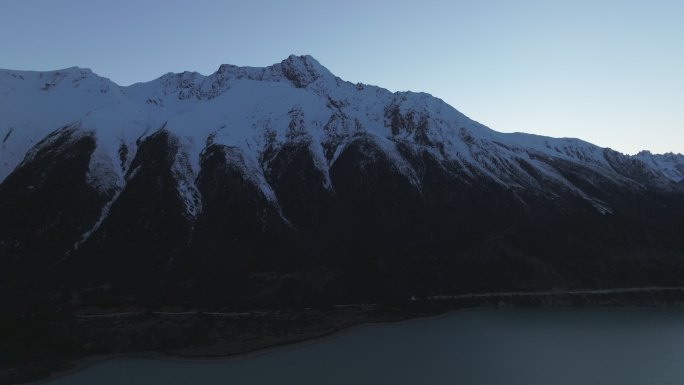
(484, 346)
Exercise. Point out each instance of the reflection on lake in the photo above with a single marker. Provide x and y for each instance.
(486, 346)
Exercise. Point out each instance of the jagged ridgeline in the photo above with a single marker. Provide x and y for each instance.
(289, 185)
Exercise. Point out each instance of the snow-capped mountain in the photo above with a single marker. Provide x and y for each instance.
(671, 165)
(289, 169)
(252, 108)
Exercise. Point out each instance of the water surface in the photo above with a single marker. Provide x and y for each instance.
(487, 346)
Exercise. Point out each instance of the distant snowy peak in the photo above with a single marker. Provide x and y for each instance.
(73, 77)
(670, 164)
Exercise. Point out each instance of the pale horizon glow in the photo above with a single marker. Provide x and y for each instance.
(606, 71)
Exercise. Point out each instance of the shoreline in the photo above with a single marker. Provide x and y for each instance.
(87, 362)
(350, 322)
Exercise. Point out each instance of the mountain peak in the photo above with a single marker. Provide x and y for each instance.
(73, 72)
(303, 70)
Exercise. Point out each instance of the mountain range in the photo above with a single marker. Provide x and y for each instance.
(288, 185)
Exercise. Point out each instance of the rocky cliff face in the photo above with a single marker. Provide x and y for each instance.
(286, 184)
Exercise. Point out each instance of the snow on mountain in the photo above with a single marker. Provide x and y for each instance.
(33, 104)
(672, 165)
(253, 109)
(256, 185)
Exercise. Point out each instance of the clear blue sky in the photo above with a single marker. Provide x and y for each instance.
(607, 71)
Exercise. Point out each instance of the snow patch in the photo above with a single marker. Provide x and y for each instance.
(389, 148)
(104, 213)
(321, 163)
(185, 179)
(251, 171)
(102, 175)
